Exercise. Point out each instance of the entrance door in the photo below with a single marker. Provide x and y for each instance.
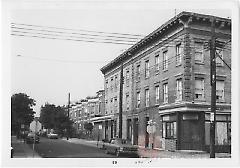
(146, 134)
(135, 133)
(191, 137)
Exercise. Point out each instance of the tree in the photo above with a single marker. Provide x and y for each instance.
(55, 117)
(21, 111)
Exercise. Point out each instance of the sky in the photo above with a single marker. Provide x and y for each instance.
(35, 66)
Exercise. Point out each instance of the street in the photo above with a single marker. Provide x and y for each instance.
(58, 148)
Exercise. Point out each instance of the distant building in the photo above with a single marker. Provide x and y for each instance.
(167, 80)
(89, 110)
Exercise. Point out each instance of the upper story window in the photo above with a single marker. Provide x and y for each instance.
(219, 53)
(116, 81)
(165, 93)
(127, 102)
(157, 94)
(199, 89)
(138, 72)
(147, 69)
(127, 77)
(111, 83)
(165, 61)
(157, 62)
(220, 90)
(147, 98)
(179, 90)
(115, 101)
(106, 86)
(178, 54)
(199, 57)
(138, 99)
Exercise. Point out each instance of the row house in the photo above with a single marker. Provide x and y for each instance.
(167, 81)
(88, 110)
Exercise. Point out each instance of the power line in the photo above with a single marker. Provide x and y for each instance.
(82, 34)
(71, 36)
(100, 32)
(169, 44)
(54, 38)
(219, 56)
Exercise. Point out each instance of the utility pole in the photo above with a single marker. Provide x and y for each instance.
(68, 113)
(120, 101)
(213, 89)
(68, 104)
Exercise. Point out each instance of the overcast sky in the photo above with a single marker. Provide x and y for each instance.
(38, 71)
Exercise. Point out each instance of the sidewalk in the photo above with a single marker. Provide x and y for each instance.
(155, 153)
(22, 150)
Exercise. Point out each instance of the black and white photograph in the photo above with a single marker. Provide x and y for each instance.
(120, 83)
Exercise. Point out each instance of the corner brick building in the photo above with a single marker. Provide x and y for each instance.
(167, 81)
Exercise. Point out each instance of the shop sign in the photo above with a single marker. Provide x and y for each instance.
(190, 116)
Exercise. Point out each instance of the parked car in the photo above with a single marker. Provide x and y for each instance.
(119, 146)
(52, 136)
(31, 137)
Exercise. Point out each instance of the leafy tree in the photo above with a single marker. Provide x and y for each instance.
(21, 111)
(54, 117)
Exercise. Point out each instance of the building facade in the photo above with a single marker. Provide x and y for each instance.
(89, 110)
(167, 81)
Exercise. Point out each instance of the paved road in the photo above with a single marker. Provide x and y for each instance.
(58, 148)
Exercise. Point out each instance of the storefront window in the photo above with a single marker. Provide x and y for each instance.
(222, 132)
(169, 130)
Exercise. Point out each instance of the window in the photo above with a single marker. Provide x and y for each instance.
(219, 53)
(138, 99)
(115, 101)
(157, 94)
(198, 52)
(115, 104)
(127, 101)
(165, 93)
(147, 97)
(178, 54)
(111, 83)
(106, 102)
(147, 69)
(127, 77)
(157, 61)
(179, 90)
(116, 81)
(106, 82)
(219, 90)
(199, 89)
(138, 72)
(165, 60)
(169, 129)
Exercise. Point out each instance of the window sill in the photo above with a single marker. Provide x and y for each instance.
(199, 63)
(179, 64)
(178, 100)
(200, 100)
(170, 138)
(165, 70)
(220, 101)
